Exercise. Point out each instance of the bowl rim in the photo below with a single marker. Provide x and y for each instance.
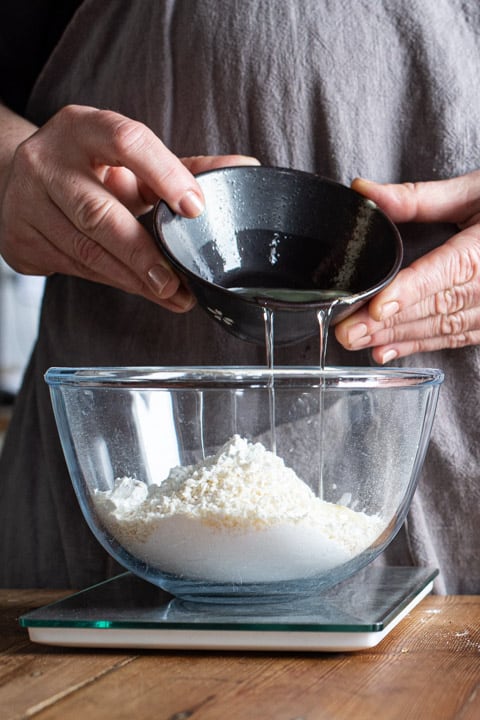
(162, 208)
(235, 376)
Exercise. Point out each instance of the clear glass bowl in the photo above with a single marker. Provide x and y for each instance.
(236, 484)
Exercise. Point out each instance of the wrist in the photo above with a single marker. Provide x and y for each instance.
(14, 129)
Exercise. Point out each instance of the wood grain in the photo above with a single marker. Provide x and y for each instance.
(428, 667)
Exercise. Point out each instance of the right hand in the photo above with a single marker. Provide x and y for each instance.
(72, 192)
(434, 303)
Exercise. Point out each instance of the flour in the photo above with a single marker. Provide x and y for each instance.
(239, 516)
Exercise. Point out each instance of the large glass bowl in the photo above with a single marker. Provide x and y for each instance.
(236, 484)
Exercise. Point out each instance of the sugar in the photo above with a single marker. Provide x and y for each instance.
(238, 516)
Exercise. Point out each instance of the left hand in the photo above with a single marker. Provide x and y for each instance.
(435, 302)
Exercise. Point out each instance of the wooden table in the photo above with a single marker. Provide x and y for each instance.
(427, 668)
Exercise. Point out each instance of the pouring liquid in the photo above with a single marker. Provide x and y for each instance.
(266, 298)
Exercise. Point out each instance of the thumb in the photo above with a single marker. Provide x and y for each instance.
(453, 201)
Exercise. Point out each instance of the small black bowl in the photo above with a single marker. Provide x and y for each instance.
(282, 238)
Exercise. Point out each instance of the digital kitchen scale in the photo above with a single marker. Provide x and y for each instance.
(127, 612)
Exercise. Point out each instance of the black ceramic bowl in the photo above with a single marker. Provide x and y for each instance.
(283, 238)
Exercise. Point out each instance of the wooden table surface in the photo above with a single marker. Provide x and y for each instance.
(428, 667)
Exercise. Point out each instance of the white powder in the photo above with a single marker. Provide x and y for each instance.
(239, 516)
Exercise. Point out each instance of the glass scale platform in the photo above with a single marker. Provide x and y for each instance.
(127, 612)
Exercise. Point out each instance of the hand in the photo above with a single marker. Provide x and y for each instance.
(435, 302)
(71, 193)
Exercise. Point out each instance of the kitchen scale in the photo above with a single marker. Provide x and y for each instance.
(127, 612)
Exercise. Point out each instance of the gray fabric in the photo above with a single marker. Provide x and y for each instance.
(383, 89)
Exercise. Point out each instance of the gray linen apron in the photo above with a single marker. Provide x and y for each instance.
(385, 89)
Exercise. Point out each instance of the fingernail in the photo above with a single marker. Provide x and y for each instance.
(362, 185)
(361, 342)
(191, 204)
(389, 309)
(159, 278)
(356, 332)
(388, 356)
(183, 300)
(362, 182)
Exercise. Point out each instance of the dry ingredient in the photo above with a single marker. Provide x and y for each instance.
(238, 516)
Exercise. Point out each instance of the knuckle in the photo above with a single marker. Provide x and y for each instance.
(453, 324)
(417, 346)
(411, 196)
(67, 118)
(391, 335)
(92, 213)
(129, 136)
(134, 255)
(459, 341)
(449, 301)
(169, 173)
(67, 113)
(463, 265)
(87, 252)
(28, 157)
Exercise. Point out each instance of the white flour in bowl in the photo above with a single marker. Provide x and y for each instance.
(239, 516)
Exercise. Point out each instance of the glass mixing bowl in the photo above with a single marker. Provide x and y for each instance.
(244, 484)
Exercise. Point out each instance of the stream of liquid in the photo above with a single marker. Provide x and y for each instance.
(264, 297)
(323, 316)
